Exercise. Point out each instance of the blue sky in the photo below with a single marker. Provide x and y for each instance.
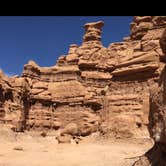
(44, 38)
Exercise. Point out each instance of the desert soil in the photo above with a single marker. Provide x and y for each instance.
(29, 151)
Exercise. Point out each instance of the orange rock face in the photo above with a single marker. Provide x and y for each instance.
(96, 88)
(157, 120)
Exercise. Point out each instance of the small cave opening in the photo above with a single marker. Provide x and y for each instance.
(46, 103)
(2, 113)
(139, 124)
(9, 96)
(94, 106)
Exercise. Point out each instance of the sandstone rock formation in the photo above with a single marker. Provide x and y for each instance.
(142, 24)
(94, 87)
(157, 120)
(13, 101)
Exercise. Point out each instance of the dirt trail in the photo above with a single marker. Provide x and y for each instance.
(47, 152)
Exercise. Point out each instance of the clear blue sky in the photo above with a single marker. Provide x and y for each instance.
(44, 38)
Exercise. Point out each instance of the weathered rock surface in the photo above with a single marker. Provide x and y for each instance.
(94, 87)
(163, 42)
(13, 101)
(157, 120)
(142, 24)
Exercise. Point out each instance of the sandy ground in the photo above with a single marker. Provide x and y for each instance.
(47, 152)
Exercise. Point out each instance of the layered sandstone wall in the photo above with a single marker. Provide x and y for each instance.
(157, 120)
(14, 106)
(97, 88)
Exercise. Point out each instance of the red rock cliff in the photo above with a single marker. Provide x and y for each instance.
(96, 88)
